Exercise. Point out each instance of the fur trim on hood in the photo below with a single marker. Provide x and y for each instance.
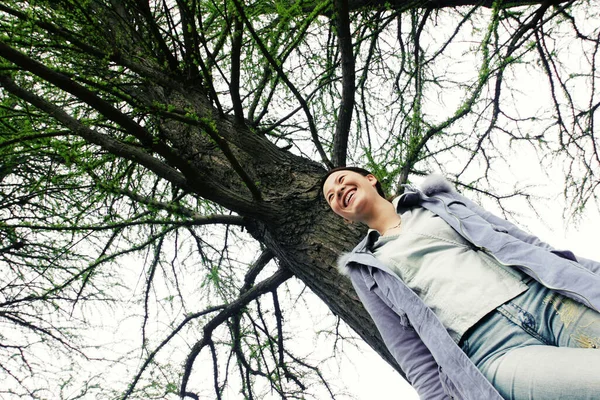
(435, 183)
(342, 264)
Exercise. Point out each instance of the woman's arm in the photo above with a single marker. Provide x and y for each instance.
(511, 229)
(592, 265)
(402, 341)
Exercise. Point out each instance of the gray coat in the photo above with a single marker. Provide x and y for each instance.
(433, 363)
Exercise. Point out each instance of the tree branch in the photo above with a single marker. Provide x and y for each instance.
(259, 289)
(290, 85)
(234, 85)
(109, 144)
(63, 82)
(344, 119)
(173, 333)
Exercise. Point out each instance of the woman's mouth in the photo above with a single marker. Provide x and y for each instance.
(348, 197)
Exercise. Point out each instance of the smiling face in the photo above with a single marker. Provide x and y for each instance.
(350, 194)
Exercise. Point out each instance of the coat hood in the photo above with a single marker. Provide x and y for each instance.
(342, 262)
(435, 183)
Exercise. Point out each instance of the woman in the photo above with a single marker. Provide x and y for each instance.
(460, 295)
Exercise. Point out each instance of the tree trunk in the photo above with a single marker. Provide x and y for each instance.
(291, 220)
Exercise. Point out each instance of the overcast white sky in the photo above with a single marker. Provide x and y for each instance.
(363, 373)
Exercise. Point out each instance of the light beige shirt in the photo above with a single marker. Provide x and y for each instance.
(460, 284)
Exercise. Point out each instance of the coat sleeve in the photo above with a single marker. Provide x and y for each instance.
(402, 341)
(592, 265)
(510, 228)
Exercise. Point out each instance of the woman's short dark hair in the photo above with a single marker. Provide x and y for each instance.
(358, 170)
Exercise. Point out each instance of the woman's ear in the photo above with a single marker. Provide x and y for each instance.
(372, 179)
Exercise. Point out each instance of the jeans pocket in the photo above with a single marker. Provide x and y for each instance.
(524, 320)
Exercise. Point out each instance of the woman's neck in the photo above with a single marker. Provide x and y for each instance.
(383, 216)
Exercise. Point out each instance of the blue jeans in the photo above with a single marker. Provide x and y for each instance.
(539, 345)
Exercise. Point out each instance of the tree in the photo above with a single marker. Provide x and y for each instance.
(176, 133)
